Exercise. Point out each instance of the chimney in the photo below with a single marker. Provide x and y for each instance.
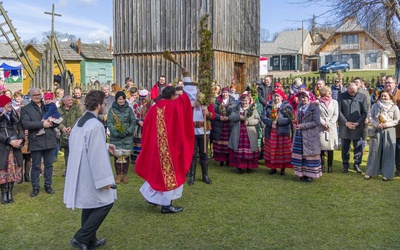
(111, 51)
(79, 46)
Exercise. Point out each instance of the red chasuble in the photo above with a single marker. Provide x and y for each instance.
(167, 144)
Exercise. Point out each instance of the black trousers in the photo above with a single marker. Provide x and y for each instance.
(90, 222)
(357, 145)
(199, 150)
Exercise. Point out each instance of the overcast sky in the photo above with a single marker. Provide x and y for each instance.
(91, 20)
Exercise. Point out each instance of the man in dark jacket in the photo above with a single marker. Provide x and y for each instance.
(264, 89)
(40, 146)
(353, 110)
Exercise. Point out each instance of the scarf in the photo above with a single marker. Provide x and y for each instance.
(326, 100)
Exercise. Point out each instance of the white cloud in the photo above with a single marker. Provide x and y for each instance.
(99, 35)
(88, 2)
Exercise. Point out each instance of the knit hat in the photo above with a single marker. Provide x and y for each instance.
(119, 94)
(303, 86)
(4, 100)
(48, 96)
(143, 93)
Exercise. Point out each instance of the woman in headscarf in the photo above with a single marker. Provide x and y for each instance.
(329, 113)
(220, 126)
(121, 123)
(306, 146)
(243, 140)
(385, 115)
(11, 140)
(277, 142)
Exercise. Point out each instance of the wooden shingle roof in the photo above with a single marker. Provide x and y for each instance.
(68, 53)
(93, 51)
(6, 52)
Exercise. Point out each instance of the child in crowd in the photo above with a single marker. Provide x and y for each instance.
(52, 113)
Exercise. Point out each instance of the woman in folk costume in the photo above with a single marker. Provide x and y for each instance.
(11, 140)
(277, 142)
(220, 126)
(385, 115)
(329, 113)
(140, 109)
(243, 140)
(121, 123)
(306, 145)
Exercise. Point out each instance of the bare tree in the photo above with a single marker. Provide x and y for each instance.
(60, 36)
(369, 12)
(274, 36)
(33, 40)
(264, 35)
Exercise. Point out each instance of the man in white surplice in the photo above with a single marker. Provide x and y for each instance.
(89, 174)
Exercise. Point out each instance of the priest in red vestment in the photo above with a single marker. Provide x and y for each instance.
(167, 147)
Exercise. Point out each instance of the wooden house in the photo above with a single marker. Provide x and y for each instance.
(36, 52)
(351, 43)
(288, 50)
(97, 63)
(144, 29)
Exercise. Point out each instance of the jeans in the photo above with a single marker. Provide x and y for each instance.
(48, 157)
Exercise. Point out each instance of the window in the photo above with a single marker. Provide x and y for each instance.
(372, 58)
(350, 39)
(284, 61)
(276, 61)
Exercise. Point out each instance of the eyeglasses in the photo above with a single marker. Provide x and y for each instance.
(36, 95)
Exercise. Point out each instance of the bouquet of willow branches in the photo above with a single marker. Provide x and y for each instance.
(290, 114)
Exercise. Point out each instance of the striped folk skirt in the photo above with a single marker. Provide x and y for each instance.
(221, 150)
(243, 157)
(277, 151)
(309, 166)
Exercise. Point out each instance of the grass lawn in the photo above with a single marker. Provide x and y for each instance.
(248, 211)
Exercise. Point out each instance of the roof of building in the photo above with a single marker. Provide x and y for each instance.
(287, 42)
(68, 53)
(6, 52)
(350, 26)
(93, 51)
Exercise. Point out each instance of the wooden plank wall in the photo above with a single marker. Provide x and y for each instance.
(224, 68)
(143, 29)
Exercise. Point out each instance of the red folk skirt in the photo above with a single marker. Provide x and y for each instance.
(277, 151)
(244, 157)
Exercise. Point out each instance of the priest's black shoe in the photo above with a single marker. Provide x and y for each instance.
(49, 190)
(191, 180)
(357, 168)
(35, 192)
(171, 209)
(206, 179)
(99, 243)
(77, 244)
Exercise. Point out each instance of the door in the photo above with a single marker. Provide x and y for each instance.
(239, 72)
(356, 61)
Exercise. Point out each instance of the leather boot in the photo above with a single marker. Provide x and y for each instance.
(357, 168)
(10, 194)
(118, 180)
(345, 169)
(125, 179)
(192, 174)
(204, 170)
(27, 179)
(4, 193)
(330, 170)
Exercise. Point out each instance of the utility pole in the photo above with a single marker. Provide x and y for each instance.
(50, 81)
(302, 47)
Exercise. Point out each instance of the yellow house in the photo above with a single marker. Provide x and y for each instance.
(72, 61)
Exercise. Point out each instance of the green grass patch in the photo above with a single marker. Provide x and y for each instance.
(247, 211)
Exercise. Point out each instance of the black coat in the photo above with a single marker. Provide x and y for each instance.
(31, 118)
(216, 122)
(352, 109)
(10, 130)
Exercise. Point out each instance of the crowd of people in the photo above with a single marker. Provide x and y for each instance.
(166, 132)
